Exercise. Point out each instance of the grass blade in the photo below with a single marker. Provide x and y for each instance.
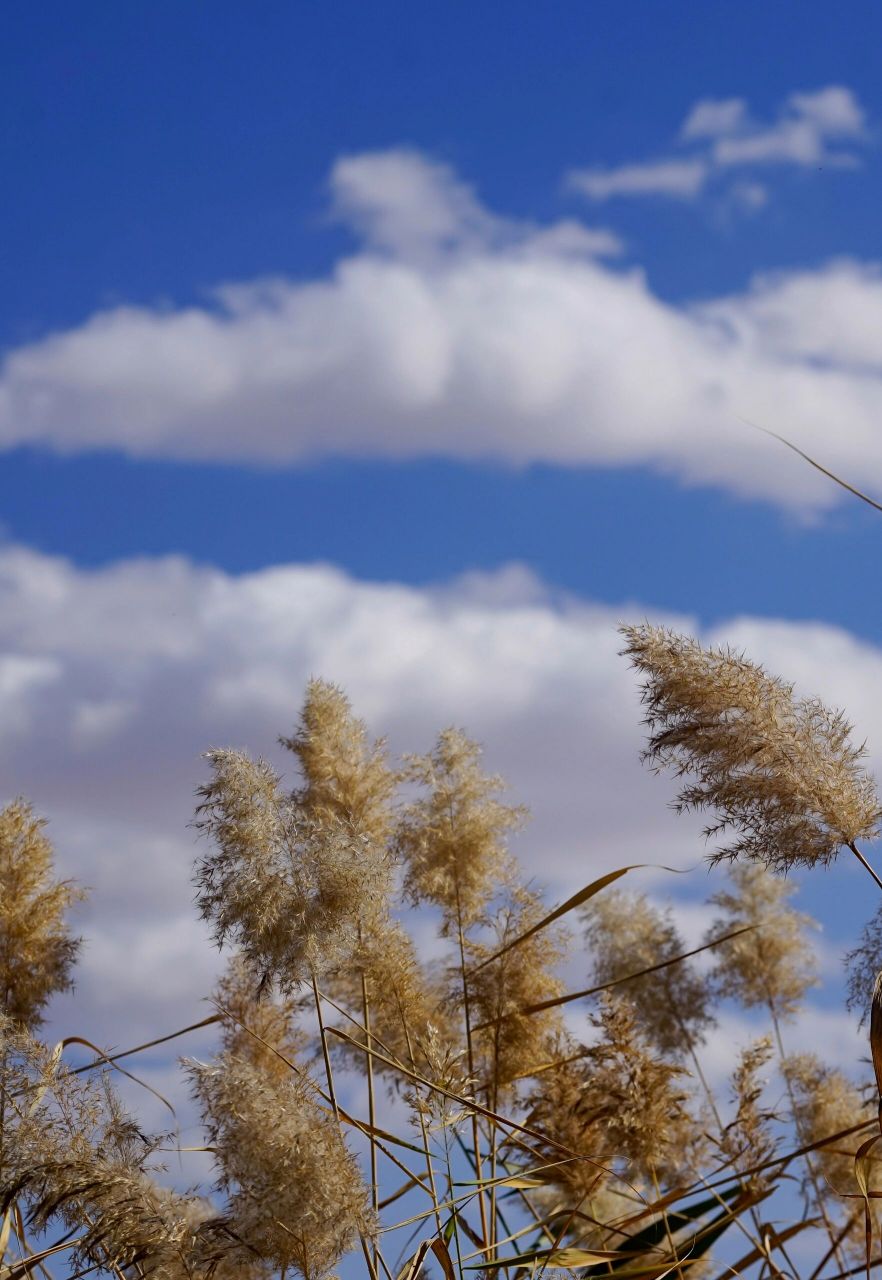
(617, 982)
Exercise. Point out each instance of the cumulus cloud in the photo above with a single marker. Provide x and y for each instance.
(456, 333)
(810, 129)
(830, 319)
(142, 665)
(403, 202)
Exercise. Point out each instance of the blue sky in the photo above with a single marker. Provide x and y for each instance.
(157, 154)
(412, 345)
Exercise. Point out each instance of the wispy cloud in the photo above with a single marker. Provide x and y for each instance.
(681, 179)
(812, 129)
(715, 117)
(823, 128)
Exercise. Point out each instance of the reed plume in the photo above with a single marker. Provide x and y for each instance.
(346, 781)
(513, 1043)
(863, 964)
(349, 785)
(257, 1024)
(37, 949)
(773, 965)
(288, 891)
(749, 1139)
(452, 839)
(75, 1157)
(639, 1095)
(623, 1110)
(405, 999)
(295, 1194)
(780, 773)
(626, 933)
(825, 1103)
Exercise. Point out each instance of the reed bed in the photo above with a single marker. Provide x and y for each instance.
(371, 1110)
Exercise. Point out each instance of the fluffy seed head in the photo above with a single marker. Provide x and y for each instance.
(563, 1108)
(346, 780)
(616, 1102)
(290, 892)
(37, 951)
(774, 964)
(72, 1156)
(827, 1103)
(749, 1139)
(864, 963)
(780, 774)
(643, 1104)
(403, 1000)
(453, 839)
(256, 1021)
(295, 1193)
(514, 1043)
(626, 933)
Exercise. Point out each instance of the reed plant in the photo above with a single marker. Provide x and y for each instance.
(385, 1108)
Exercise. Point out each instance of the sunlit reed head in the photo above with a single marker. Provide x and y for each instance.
(452, 839)
(780, 774)
(37, 948)
(773, 964)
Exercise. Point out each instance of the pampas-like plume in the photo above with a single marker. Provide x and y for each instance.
(453, 839)
(404, 1000)
(346, 781)
(256, 1024)
(446, 1070)
(348, 785)
(617, 1103)
(626, 933)
(512, 1044)
(37, 951)
(826, 1102)
(748, 1140)
(290, 892)
(780, 773)
(563, 1107)
(296, 1196)
(640, 1102)
(864, 963)
(772, 965)
(73, 1155)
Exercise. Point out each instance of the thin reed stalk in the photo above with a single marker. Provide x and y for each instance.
(470, 1057)
(820, 1200)
(372, 1110)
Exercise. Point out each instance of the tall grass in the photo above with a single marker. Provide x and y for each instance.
(400, 1112)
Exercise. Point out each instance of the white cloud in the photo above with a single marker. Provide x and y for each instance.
(830, 319)
(713, 117)
(519, 347)
(404, 203)
(682, 179)
(802, 134)
(400, 201)
(835, 110)
(811, 129)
